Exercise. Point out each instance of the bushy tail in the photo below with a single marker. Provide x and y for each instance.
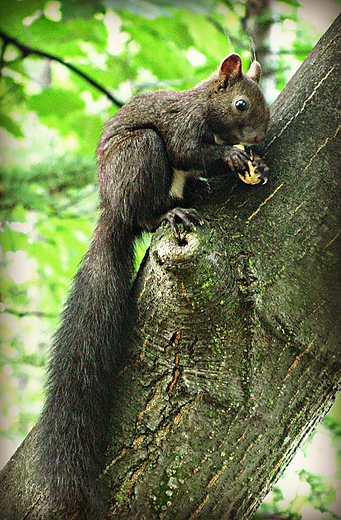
(72, 433)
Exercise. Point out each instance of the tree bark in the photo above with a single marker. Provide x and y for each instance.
(235, 358)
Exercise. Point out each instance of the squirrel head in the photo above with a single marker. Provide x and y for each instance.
(238, 111)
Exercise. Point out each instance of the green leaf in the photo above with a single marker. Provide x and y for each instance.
(88, 128)
(294, 3)
(69, 36)
(172, 28)
(13, 12)
(202, 30)
(10, 125)
(152, 9)
(80, 9)
(147, 9)
(57, 101)
(171, 62)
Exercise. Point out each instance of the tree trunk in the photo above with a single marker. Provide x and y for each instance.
(236, 357)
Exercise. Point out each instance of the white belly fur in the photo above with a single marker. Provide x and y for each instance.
(178, 183)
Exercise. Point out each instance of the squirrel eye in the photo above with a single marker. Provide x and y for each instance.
(241, 104)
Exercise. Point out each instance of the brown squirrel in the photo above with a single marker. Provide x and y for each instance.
(148, 151)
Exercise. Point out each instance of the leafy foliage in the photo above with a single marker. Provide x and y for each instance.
(65, 68)
(134, 45)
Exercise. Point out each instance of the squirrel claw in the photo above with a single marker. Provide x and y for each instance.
(262, 175)
(189, 217)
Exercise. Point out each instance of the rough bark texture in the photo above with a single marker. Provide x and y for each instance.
(236, 354)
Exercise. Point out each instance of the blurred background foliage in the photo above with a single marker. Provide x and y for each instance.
(65, 68)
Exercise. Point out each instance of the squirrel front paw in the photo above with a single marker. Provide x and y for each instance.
(236, 158)
(256, 170)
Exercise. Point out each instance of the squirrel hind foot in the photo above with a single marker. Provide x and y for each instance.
(188, 217)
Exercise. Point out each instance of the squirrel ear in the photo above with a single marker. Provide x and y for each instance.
(230, 69)
(255, 71)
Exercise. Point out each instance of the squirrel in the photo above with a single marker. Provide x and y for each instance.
(148, 152)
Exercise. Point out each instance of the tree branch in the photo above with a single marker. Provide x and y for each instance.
(27, 51)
